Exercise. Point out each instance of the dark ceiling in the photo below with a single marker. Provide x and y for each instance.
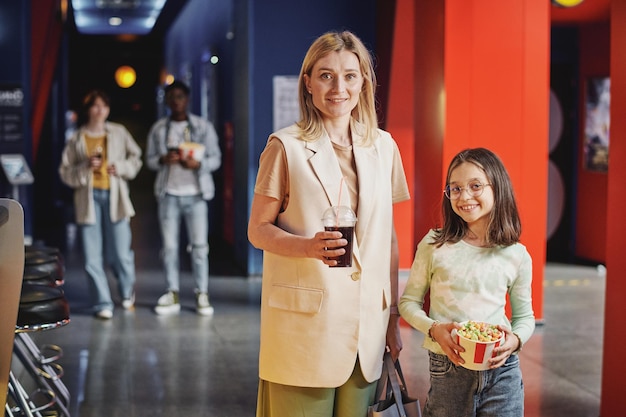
(142, 17)
(124, 17)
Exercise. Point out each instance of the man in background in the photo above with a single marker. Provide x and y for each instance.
(183, 148)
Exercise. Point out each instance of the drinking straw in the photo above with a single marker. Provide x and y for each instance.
(339, 202)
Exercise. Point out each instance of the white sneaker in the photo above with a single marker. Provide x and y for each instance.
(105, 314)
(203, 307)
(168, 304)
(129, 303)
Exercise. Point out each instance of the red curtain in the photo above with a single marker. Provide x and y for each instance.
(46, 34)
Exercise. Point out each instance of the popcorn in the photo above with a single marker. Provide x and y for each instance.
(479, 331)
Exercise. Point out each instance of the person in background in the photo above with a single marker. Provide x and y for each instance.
(324, 330)
(470, 266)
(182, 187)
(97, 162)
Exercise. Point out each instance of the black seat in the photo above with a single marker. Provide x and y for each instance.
(48, 250)
(39, 278)
(41, 307)
(45, 262)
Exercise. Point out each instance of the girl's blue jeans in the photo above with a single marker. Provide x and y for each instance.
(460, 392)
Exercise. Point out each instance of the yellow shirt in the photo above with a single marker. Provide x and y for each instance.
(96, 145)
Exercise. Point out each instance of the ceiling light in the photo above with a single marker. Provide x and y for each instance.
(567, 3)
(125, 76)
(115, 21)
(117, 4)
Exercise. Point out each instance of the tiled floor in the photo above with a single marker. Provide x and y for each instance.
(140, 364)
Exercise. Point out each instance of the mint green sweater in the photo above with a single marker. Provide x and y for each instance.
(469, 283)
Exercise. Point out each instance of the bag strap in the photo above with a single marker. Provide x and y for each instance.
(395, 385)
(401, 376)
(382, 382)
(384, 386)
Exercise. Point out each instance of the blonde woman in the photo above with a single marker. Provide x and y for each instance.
(324, 330)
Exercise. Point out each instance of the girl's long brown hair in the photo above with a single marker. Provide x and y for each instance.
(504, 228)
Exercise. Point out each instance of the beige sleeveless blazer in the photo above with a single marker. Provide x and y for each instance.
(315, 319)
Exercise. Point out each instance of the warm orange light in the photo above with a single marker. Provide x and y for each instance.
(125, 76)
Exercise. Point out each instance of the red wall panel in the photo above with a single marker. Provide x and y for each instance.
(592, 186)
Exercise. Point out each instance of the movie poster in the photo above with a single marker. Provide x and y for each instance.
(597, 123)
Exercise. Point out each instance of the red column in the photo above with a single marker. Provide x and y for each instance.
(613, 368)
(430, 114)
(400, 123)
(481, 78)
(497, 88)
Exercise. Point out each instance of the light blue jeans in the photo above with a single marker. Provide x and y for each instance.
(460, 392)
(194, 211)
(110, 243)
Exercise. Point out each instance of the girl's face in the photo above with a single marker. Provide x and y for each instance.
(99, 111)
(474, 210)
(335, 84)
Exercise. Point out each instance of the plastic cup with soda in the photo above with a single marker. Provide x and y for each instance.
(341, 219)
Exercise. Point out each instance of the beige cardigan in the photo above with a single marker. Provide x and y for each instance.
(123, 151)
(314, 319)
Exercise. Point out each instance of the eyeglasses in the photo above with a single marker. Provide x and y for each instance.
(474, 189)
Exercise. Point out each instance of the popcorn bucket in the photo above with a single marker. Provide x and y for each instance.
(191, 149)
(477, 352)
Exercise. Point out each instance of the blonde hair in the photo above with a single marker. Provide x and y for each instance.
(364, 119)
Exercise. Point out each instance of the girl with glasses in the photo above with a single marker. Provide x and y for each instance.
(470, 266)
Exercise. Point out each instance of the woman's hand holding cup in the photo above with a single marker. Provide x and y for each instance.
(95, 160)
(331, 246)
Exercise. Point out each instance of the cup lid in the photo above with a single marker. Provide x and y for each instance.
(339, 214)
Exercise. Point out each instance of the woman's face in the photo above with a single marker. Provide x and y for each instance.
(99, 111)
(335, 84)
(474, 210)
